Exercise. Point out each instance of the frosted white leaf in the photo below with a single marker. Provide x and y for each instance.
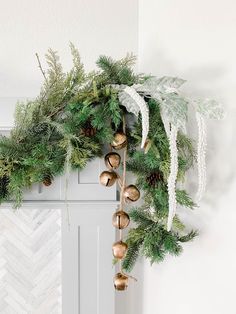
(210, 109)
(172, 82)
(165, 90)
(174, 108)
(118, 87)
(128, 102)
(165, 84)
(134, 103)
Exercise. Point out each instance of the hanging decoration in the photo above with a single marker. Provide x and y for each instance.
(108, 178)
(120, 219)
(171, 183)
(201, 152)
(112, 160)
(131, 193)
(134, 103)
(205, 109)
(76, 116)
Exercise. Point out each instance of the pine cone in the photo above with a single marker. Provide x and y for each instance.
(88, 130)
(47, 181)
(153, 178)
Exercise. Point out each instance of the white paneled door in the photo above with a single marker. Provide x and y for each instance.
(87, 260)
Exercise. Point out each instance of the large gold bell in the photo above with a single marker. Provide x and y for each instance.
(120, 141)
(121, 282)
(112, 160)
(108, 178)
(120, 219)
(119, 249)
(131, 193)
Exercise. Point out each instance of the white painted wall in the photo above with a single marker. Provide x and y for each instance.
(196, 40)
(26, 27)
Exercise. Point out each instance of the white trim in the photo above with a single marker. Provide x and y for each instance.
(6, 128)
(58, 204)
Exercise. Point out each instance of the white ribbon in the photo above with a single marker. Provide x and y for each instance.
(201, 153)
(135, 103)
(205, 109)
(173, 175)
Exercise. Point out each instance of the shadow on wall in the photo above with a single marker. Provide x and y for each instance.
(221, 155)
(210, 82)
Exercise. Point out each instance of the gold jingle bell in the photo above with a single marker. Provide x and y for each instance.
(121, 282)
(120, 219)
(112, 160)
(108, 178)
(119, 249)
(120, 141)
(131, 193)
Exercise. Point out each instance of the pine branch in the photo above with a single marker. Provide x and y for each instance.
(141, 217)
(117, 72)
(134, 240)
(78, 69)
(188, 237)
(184, 199)
(131, 256)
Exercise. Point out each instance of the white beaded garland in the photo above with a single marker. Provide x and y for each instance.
(201, 156)
(173, 175)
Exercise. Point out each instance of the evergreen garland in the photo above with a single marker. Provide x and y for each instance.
(71, 120)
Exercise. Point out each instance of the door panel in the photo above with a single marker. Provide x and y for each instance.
(83, 186)
(87, 285)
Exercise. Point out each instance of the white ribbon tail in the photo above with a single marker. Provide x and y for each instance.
(173, 175)
(143, 108)
(201, 155)
(166, 123)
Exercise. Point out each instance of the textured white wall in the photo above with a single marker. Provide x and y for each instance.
(196, 40)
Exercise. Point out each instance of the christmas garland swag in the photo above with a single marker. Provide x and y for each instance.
(78, 116)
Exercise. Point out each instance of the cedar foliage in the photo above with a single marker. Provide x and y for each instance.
(68, 124)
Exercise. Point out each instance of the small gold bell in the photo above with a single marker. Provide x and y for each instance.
(119, 249)
(108, 178)
(112, 160)
(120, 141)
(120, 219)
(131, 193)
(121, 282)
